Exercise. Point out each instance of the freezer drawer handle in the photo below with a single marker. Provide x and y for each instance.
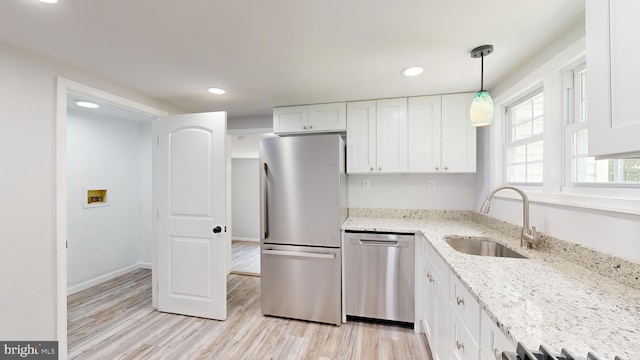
(378, 242)
(299, 254)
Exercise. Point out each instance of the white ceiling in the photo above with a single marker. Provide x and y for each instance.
(286, 52)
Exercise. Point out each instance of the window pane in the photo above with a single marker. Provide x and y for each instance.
(526, 120)
(534, 151)
(517, 154)
(522, 131)
(582, 97)
(580, 143)
(523, 113)
(517, 173)
(534, 172)
(538, 105)
(537, 125)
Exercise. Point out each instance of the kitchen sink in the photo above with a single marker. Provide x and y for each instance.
(482, 246)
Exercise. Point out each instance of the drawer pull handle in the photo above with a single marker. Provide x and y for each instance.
(459, 345)
(460, 300)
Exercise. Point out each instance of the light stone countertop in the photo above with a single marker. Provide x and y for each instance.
(541, 300)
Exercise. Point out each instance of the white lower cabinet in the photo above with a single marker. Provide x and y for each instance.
(462, 344)
(492, 340)
(436, 303)
(455, 325)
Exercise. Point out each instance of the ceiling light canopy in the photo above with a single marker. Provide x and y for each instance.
(481, 112)
(49, 1)
(87, 104)
(412, 71)
(217, 91)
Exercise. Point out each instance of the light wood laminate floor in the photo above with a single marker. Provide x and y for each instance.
(115, 320)
(245, 257)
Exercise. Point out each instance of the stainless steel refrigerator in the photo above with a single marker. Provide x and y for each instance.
(303, 203)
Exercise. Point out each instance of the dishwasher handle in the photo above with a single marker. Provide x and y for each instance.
(392, 243)
(299, 254)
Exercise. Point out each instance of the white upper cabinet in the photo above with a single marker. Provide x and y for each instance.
(613, 49)
(361, 136)
(377, 136)
(441, 137)
(328, 117)
(458, 135)
(391, 135)
(424, 134)
(310, 118)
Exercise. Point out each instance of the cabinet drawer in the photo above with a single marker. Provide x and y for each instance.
(492, 340)
(462, 344)
(437, 265)
(465, 305)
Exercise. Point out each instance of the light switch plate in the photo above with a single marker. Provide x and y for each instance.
(431, 185)
(365, 184)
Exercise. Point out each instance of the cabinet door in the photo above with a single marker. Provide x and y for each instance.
(290, 119)
(391, 135)
(429, 305)
(462, 344)
(443, 324)
(361, 137)
(328, 117)
(424, 134)
(492, 340)
(458, 135)
(613, 48)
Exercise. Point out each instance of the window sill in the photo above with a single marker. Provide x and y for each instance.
(614, 202)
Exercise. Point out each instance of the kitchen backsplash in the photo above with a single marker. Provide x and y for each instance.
(613, 267)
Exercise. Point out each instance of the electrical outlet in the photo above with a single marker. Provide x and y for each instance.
(431, 185)
(365, 184)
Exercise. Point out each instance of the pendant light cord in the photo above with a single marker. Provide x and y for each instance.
(482, 72)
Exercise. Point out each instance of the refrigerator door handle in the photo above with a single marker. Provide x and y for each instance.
(265, 202)
(378, 242)
(299, 254)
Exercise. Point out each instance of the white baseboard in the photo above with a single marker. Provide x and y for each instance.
(245, 238)
(106, 277)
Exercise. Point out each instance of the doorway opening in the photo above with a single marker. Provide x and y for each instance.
(244, 151)
(68, 90)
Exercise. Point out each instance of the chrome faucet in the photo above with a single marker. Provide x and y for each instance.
(528, 237)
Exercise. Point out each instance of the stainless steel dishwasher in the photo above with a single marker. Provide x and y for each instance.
(380, 275)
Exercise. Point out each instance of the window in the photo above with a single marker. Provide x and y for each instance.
(524, 148)
(585, 169)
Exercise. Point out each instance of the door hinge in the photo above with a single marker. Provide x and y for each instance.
(158, 141)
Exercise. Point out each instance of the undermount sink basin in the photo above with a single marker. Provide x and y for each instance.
(482, 246)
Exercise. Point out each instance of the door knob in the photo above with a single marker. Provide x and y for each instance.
(217, 229)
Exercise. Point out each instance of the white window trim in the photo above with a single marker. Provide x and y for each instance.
(554, 191)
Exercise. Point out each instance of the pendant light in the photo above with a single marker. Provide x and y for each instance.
(481, 113)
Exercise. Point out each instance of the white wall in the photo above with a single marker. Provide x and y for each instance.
(145, 149)
(245, 199)
(113, 154)
(452, 192)
(28, 188)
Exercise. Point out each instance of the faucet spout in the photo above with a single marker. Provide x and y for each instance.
(528, 237)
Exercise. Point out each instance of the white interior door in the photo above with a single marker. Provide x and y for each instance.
(191, 202)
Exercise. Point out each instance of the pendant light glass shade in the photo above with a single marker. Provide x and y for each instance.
(481, 112)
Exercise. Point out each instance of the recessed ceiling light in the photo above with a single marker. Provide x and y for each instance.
(412, 71)
(49, 1)
(88, 105)
(216, 91)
